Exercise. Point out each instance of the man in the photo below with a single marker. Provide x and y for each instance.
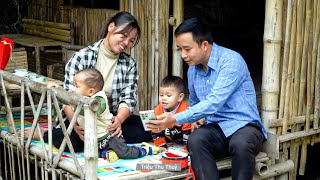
(221, 92)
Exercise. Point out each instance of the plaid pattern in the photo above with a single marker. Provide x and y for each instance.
(125, 79)
(224, 95)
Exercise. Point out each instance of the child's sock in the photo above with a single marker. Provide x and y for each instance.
(148, 149)
(110, 155)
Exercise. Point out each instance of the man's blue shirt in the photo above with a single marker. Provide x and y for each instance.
(224, 95)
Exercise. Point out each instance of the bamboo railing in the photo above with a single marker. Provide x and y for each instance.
(43, 158)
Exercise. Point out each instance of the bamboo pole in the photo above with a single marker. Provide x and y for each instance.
(91, 146)
(294, 146)
(156, 73)
(271, 59)
(50, 30)
(286, 78)
(302, 87)
(307, 85)
(22, 128)
(178, 15)
(303, 159)
(11, 160)
(5, 160)
(312, 51)
(289, 88)
(46, 23)
(316, 57)
(298, 57)
(49, 115)
(19, 162)
(285, 58)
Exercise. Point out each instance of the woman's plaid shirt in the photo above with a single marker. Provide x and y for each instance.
(125, 81)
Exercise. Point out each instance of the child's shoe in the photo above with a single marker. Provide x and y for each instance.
(150, 150)
(110, 155)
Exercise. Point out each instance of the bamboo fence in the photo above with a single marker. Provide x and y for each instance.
(291, 69)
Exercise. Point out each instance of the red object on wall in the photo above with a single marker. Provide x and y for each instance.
(6, 47)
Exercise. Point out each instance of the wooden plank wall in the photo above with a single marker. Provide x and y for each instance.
(151, 53)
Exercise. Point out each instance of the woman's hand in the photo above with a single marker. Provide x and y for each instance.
(115, 126)
(79, 130)
(198, 124)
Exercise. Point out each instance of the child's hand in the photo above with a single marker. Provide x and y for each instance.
(79, 130)
(162, 149)
(36, 135)
(53, 84)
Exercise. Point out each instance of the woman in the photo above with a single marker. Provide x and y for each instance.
(119, 71)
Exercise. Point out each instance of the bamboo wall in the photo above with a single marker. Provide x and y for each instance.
(291, 76)
(151, 53)
(46, 10)
(88, 22)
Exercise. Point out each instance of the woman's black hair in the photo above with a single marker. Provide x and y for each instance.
(122, 18)
(199, 29)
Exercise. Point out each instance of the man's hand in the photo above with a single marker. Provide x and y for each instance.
(79, 130)
(115, 126)
(163, 121)
(198, 124)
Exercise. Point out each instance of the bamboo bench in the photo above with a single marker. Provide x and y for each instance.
(43, 34)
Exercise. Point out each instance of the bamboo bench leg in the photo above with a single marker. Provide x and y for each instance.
(37, 57)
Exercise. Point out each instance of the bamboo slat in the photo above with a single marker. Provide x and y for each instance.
(48, 35)
(294, 146)
(304, 60)
(285, 68)
(316, 60)
(47, 24)
(47, 29)
(289, 83)
(298, 57)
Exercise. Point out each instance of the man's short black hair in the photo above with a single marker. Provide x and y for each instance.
(199, 29)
